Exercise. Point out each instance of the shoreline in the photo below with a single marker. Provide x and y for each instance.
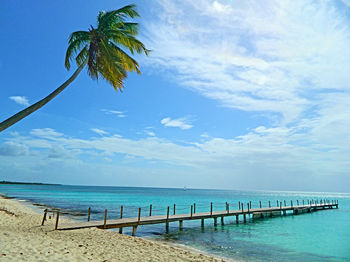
(15, 211)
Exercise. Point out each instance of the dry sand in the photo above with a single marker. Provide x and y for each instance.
(23, 239)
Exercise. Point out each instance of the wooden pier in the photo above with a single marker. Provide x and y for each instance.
(243, 213)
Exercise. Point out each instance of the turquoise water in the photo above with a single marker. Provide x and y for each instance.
(317, 236)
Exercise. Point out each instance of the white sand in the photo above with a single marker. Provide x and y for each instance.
(23, 239)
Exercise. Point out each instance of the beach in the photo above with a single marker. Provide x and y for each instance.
(23, 239)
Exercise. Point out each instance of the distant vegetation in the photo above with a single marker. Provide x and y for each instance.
(26, 183)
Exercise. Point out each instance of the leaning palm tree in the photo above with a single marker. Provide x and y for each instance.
(101, 49)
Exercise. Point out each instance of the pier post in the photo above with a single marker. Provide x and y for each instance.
(222, 220)
(297, 202)
(105, 220)
(167, 222)
(285, 204)
(202, 222)
(174, 208)
(139, 216)
(260, 203)
(269, 203)
(281, 205)
(291, 203)
(134, 228)
(303, 203)
(215, 221)
(89, 213)
(211, 208)
(121, 216)
(244, 218)
(150, 210)
(44, 217)
(239, 205)
(194, 208)
(284, 212)
(242, 209)
(57, 217)
(277, 203)
(237, 219)
(248, 207)
(181, 224)
(228, 208)
(250, 204)
(191, 210)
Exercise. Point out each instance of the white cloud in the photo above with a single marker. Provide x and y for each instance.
(13, 149)
(120, 114)
(21, 100)
(46, 133)
(181, 123)
(291, 157)
(271, 56)
(99, 131)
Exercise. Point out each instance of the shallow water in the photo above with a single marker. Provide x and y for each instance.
(317, 236)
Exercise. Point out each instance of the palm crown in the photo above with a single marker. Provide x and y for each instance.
(102, 47)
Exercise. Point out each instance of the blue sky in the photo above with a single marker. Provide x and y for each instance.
(234, 95)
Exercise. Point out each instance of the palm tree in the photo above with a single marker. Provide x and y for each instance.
(101, 49)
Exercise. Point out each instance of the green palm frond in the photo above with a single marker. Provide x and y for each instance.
(75, 43)
(102, 47)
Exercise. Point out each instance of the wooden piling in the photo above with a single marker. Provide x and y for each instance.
(228, 208)
(194, 208)
(269, 204)
(134, 228)
(250, 204)
(105, 220)
(57, 217)
(285, 204)
(211, 208)
(174, 209)
(239, 205)
(277, 203)
(167, 213)
(191, 210)
(222, 220)
(44, 217)
(215, 221)
(180, 224)
(89, 213)
(244, 218)
(139, 216)
(237, 219)
(260, 203)
(121, 216)
(291, 203)
(297, 202)
(150, 210)
(202, 222)
(248, 207)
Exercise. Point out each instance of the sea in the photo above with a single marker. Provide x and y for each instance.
(318, 236)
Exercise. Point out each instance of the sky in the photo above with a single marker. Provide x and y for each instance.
(247, 95)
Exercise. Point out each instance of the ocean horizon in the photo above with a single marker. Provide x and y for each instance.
(317, 236)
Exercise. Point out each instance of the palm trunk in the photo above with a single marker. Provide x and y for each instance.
(27, 111)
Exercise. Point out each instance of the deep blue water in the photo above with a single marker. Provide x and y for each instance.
(317, 236)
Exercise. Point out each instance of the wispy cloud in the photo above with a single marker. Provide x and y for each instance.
(287, 155)
(99, 131)
(181, 123)
(271, 56)
(21, 100)
(120, 114)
